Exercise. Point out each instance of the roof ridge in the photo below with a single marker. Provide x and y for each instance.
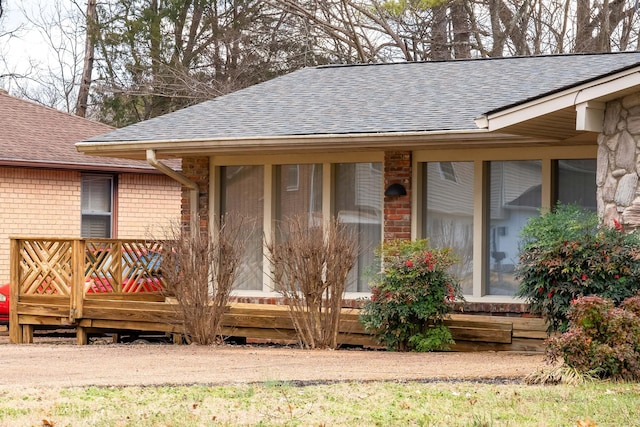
(489, 58)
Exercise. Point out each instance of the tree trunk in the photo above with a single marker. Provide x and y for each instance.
(584, 27)
(498, 35)
(87, 68)
(461, 29)
(439, 47)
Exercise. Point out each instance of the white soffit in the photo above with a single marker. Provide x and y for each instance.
(588, 99)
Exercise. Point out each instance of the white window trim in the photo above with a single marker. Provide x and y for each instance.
(270, 162)
(111, 213)
(480, 156)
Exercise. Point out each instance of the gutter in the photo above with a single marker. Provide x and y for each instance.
(182, 179)
(287, 143)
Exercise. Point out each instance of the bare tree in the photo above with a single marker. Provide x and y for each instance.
(51, 81)
(87, 68)
(154, 56)
(143, 58)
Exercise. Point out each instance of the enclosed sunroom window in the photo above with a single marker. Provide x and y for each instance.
(448, 206)
(576, 182)
(242, 194)
(515, 195)
(299, 191)
(358, 203)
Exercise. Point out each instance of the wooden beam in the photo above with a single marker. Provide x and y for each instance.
(15, 332)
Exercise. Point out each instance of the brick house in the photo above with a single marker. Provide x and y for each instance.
(48, 189)
(478, 146)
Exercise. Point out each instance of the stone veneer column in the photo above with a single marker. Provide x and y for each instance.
(397, 210)
(197, 170)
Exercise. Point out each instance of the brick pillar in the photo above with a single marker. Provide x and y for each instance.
(197, 170)
(397, 209)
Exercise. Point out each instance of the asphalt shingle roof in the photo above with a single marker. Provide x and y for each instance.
(398, 97)
(36, 135)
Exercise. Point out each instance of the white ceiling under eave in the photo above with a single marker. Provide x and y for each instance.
(559, 125)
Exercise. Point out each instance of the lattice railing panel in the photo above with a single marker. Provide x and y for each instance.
(110, 266)
(101, 266)
(45, 267)
(122, 266)
(141, 267)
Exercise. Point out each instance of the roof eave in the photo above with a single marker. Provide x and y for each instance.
(588, 99)
(292, 143)
(93, 167)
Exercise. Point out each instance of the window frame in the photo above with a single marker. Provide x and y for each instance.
(481, 158)
(112, 203)
(270, 163)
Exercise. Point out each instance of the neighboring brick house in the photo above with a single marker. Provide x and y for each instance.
(48, 189)
(478, 146)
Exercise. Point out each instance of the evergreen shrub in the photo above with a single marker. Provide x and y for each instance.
(411, 296)
(565, 255)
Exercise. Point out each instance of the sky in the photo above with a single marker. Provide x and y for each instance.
(28, 52)
(27, 43)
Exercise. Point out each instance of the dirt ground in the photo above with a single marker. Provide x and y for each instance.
(58, 362)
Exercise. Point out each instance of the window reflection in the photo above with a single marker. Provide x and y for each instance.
(448, 203)
(515, 195)
(358, 203)
(241, 189)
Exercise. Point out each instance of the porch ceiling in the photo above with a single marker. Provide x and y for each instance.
(558, 125)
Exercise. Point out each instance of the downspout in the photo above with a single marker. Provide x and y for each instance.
(177, 176)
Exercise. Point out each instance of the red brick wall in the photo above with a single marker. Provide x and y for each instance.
(197, 170)
(397, 210)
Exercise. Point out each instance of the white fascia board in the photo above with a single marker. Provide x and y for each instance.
(264, 144)
(600, 90)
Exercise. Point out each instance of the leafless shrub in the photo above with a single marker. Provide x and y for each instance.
(310, 265)
(199, 269)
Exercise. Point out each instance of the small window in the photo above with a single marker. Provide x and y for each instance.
(293, 177)
(447, 172)
(376, 167)
(97, 206)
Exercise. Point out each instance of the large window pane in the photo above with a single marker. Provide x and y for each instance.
(576, 182)
(241, 190)
(515, 196)
(96, 200)
(358, 202)
(299, 191)
(448, 207)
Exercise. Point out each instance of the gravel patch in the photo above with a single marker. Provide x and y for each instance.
(56, 361)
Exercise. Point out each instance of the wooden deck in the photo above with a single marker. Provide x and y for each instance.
(59, 304)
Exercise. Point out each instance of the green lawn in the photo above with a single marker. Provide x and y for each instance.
(347, 404)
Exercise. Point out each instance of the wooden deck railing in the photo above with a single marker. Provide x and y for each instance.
(68, 272)
(106, 285)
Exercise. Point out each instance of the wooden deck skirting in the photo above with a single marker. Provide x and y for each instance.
(49, 289)
(263, 322)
